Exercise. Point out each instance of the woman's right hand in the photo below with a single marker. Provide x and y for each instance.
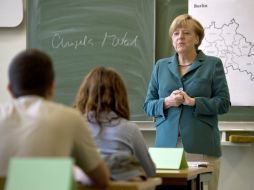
(175, 99)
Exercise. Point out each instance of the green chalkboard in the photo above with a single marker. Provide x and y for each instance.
(82, 34)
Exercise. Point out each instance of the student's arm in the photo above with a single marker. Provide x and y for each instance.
(141, 152)
(87, 157)
(99, 176)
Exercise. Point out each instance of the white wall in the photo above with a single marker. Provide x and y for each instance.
(12, 41)
(237, 168)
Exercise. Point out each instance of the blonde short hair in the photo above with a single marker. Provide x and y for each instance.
(185, 19)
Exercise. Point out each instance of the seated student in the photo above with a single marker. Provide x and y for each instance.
(103, 100)
(31, 125)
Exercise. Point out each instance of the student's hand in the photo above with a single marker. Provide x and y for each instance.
(175, 99)
(188, 101)
(99, 177)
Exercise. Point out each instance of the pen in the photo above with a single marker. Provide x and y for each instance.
(202, 165)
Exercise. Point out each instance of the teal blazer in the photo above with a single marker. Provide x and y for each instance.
(198, 125)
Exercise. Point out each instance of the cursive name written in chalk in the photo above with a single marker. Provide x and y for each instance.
(116, 41)
(107, 40)
(59, 42)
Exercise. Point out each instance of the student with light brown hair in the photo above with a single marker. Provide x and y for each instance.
(103, 100)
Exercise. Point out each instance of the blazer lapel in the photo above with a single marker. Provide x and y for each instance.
(173, 66)
(197, 62)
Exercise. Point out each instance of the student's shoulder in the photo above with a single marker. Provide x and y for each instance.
(129, 125)
(6, 107)
(68, 116)
(64, 110)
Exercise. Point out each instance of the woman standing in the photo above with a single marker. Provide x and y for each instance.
(186, 93)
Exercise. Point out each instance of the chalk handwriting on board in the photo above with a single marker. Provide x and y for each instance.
(113, 40)
(119, 41)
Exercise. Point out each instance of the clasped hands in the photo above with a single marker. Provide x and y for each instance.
(177, 98)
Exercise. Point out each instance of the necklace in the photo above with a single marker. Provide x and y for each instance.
(185, 65)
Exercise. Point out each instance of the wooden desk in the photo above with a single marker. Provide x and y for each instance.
(187, 179)
(149, 184)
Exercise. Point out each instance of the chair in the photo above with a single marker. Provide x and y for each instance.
(2, 182)
(40, 174)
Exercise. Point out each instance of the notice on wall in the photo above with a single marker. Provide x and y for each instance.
(11, 13)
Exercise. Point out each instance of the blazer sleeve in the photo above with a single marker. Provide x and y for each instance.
(219, 102)
(153, 105)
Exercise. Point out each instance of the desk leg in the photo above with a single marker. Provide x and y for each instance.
(193, 184)
(199, 185)
(203, 180)
(180, 184)
(190, 185)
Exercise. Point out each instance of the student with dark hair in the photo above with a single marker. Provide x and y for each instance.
(103, 100)
(31, 125)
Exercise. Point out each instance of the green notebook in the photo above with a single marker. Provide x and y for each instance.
(40, 174)
(168, 158)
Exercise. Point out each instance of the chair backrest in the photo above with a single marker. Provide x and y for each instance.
(40, 174)
(2, 182)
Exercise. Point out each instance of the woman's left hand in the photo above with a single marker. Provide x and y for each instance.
(188, 101)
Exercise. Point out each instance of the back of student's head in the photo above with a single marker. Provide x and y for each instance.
(31, 73)
(103, 90)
